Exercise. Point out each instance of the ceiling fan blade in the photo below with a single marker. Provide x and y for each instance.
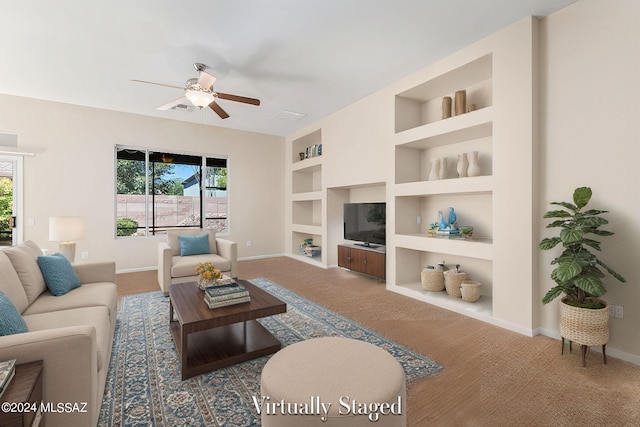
(170, 105)
(206, 80)
(219, 111)
(159, 84)
(237, 98)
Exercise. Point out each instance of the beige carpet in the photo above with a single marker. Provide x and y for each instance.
(491, 377)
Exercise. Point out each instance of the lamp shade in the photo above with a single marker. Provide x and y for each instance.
(199, 98)
(66, 228)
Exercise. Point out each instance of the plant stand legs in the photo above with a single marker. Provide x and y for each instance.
(583, 349)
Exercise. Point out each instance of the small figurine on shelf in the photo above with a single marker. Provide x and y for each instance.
(453, 219)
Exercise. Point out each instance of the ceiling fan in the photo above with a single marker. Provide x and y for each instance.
(201, 94)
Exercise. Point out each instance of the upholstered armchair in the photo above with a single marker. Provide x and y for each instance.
(185, 248)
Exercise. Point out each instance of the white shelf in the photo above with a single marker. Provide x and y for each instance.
(312, 164)
(460, 186)
(306, 197)
(474, 125)
(472, 248)
(307, 229)
(481, 309)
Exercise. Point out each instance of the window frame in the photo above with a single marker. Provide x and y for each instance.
(150, 229)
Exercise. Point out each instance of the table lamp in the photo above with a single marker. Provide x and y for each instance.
(66, 230)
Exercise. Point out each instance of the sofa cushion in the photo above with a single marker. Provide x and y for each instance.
(58, 273)
(186, 266)
(11, 284)
(98, 317)
(88, 295)
(23, 258)
(11, 322)
(194, 245)
(174, 243)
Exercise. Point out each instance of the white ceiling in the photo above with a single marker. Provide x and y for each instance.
(312, 57)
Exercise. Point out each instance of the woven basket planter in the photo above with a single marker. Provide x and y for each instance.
(432, 280)
(470, 290)
(452, 282)
(584, 326)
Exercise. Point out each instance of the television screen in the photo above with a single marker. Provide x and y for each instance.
(365, 222)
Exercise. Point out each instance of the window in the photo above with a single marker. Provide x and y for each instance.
(159, 190)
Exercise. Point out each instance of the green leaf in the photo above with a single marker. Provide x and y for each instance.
(610, 270)
(581, 196)
(593, 243)
(569, 206)
(552, 294)
(559, 223)
(602, 232)
(591, 285)
(557, 214)
(549, 243)
(567, 270)
(571, 235)
(594, 212)
(591, 221)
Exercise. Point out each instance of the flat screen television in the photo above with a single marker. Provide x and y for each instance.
(365, 223)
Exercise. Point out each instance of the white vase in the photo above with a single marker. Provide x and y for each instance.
(462, 165)
(442, 173)
(474, 167)
(435, 170)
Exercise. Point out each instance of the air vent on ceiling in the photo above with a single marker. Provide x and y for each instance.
(183, 107)
(290, 115)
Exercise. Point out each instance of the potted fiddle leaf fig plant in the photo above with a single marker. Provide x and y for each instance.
(578, 272)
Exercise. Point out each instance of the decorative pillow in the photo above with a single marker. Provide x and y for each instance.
(58, 273)
(194, 245)
(11, 322)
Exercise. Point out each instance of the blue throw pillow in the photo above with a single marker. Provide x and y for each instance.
(58, 273)
(11, 321)
(194, 245)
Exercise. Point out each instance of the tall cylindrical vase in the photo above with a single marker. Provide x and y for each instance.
(442, 173)
(462, 165)
(461, 102)
(446, 107)
(474, 167)
(435, 170)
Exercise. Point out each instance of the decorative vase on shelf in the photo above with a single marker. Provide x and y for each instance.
(452, 218)
(446, 107)
(474, 167)
(435, 170)
(442, 172)
(462, 165)
(441, 221)
(461, 102)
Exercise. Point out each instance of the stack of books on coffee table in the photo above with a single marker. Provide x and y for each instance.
(7, 371)
(224, 295)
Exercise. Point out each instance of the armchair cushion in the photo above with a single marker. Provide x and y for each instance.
(194, 245)
(11, 322)
(173, 239)
(186, 266)
(58, 273)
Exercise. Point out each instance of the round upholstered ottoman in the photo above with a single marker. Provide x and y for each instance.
(332, 381)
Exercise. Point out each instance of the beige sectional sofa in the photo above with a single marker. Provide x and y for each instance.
(72, 333)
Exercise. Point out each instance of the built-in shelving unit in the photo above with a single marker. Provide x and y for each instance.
(396, 133)
(307, 195)
(422, 133)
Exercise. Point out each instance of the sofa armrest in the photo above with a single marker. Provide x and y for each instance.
(229, 250)
(164, 266)
(70, 368)
(95, 272)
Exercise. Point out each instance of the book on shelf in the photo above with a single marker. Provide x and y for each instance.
(225, 303)
(7, 371)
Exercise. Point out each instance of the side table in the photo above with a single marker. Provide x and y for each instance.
(26, 386)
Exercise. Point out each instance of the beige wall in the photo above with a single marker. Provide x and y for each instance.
(590, 136)
(73, 174)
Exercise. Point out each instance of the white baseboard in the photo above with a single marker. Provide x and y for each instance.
(611, 351)
(136, 270)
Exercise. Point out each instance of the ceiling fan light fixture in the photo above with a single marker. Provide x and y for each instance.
(199, 98)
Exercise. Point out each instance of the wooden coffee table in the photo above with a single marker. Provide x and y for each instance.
(209, 339)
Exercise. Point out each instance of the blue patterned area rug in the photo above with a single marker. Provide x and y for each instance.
(144, 387)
